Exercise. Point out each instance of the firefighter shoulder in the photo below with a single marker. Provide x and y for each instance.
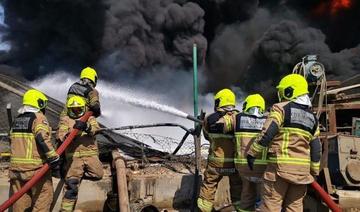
(291, 135)
(31, 147)
(218, 130)
(86, 89)
(82, 154)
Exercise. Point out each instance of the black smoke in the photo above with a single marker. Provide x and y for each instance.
(134, 35)
(142, 34)
(255, 53)
(49, 34)
(249, 43)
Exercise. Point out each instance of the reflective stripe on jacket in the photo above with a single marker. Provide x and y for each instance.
(218, 130)
(30, 142)
(289, 131)
(247, 128)
(84, 144)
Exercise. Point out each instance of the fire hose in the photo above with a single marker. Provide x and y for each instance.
(42, 171)
(325, 197)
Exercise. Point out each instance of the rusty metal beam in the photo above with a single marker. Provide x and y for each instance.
(344, 106)
(332, 83)
(332, 119)
(120, 167)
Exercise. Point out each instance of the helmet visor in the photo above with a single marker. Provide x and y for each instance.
(76, 112)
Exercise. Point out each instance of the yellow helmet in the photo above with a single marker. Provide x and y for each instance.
(75, 107)
(35, 99)
(255, 100)
(89, 73)
(225, 97)
(292, 86)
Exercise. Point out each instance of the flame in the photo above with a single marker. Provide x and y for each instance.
(337, 5)
(331, 7)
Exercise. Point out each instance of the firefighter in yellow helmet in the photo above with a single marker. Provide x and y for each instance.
(291, 133)
(31, 147)
(82, 156)
(249, 124)
(218, 130)
(86, 89)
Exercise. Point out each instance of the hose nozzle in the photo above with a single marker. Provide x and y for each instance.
(192, 118)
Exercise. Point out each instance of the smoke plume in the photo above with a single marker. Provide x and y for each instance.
(248, 43)
(133, 34)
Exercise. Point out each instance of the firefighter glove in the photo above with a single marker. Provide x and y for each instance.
(80, 125)
(54, 163)
(250, 161)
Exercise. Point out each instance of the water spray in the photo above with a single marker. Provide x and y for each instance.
(127, 97)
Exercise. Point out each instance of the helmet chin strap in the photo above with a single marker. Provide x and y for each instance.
(279, 97)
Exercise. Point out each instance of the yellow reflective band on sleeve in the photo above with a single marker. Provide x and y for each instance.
(67, 206)
(14, 160)
(276, 115)
(82, 154)
(204, 205)
(63, 127)
(315, 165)
(51, 154)
(257, 147)
(287, 160)
(92, 121)
(42, 127)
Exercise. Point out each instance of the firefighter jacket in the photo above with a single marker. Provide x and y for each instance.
(89, 93)
(84, 144)
(218, 130)
(247, 128)
(30, 142)
(291, 133)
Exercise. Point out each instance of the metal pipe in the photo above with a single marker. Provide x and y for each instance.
(42, 171)
(192, 118)
(129, 127)
(123, 196)
(195, 83)
(326, 197)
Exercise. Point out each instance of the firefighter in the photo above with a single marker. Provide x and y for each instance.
(248, 125)
(218, 130)
(30, 147)
(86, 89)
(82, 156)
(291, 132)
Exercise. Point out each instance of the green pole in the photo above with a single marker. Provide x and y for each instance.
(197, 141)
(195, 81)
